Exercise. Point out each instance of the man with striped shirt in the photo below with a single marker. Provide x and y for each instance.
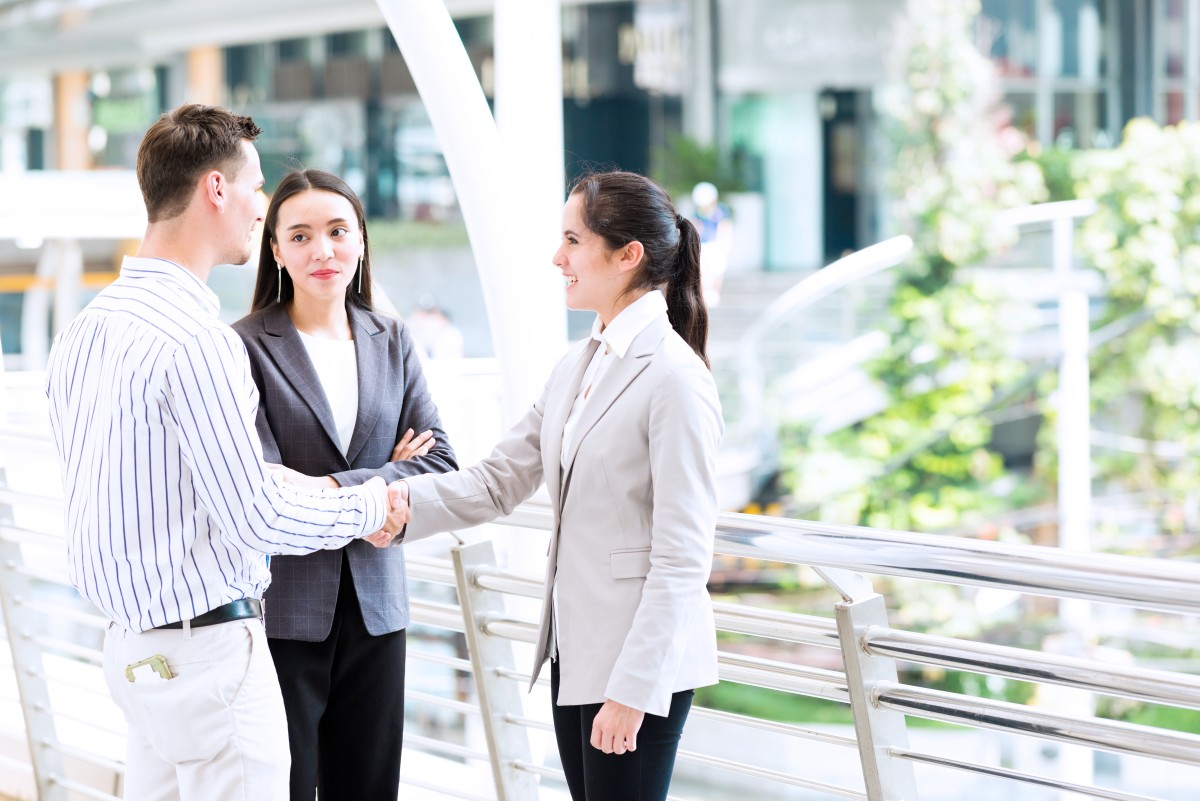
(171, 511)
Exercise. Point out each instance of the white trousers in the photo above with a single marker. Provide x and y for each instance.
(214, 732)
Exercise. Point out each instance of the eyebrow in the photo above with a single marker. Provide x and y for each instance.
(341, 220)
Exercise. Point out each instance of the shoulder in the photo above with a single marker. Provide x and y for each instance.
(679, 372)
(252, 324)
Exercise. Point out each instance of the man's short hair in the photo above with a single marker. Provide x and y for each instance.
(181, 146)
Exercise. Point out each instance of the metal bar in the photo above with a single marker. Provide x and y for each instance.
(89, 757)
(774, 675)
(436, 700)
(506, 743)
(509, 629)
(499, 580)
(1168, 586)
(82, 789)
(785, 626)
(529, 723)
(440, 659)
(432, 613)
(1002, 773)
(1107, 735)
(877, 728)
(1156, 686)
(443, 747)
(773, 775)
(788, 729)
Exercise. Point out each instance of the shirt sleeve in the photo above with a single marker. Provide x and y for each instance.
(213, 403)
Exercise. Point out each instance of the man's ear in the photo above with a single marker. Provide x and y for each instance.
(630, 256)
(215, 189)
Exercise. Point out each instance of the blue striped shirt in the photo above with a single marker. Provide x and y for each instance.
(170, 509)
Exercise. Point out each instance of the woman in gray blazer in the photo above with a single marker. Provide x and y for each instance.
(341, 394)
(625, 437)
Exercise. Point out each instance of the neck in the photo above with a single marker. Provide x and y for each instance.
(622, 303)
(319, 318)
(170, 241)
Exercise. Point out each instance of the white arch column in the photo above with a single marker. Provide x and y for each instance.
(511, 201)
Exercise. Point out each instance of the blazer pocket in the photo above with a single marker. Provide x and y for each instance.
(629, 563)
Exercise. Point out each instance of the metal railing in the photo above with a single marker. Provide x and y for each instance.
(497, 749)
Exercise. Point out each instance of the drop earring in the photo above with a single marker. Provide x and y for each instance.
(360, 261)
(279, 286)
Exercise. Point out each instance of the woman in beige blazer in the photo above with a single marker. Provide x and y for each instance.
(625, 436)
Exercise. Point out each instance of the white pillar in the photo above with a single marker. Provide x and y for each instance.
(512, 257)
(529, 115)
(1074, 484)
(60, 266)
(699, 106)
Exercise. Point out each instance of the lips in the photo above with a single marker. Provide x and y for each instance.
(324, 274)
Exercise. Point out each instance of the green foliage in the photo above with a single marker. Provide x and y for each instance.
(954, 171)
(388, 234)
(1143, 239)
(684, 162)
(1057, 165)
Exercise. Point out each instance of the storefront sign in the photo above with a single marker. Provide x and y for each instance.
(780, 44)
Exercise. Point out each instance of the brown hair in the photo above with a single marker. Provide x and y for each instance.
(622, 207)
(273, 282)
(181, 146)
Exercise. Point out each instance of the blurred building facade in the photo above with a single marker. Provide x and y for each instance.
(787, 91)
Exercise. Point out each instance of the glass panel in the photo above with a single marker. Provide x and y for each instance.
(1079, 119)
(1007, 32)
(1024, 117)
(1173, 30)
(1173, 108)
(1075, 31)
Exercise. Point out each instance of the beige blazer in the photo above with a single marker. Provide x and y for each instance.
(634, 517)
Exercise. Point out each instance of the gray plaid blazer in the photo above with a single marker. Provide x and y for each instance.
(297, 429)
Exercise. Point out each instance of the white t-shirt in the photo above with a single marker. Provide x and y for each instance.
(337, 369)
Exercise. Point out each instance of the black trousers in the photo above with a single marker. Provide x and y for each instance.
(641, 775)
(344, 698)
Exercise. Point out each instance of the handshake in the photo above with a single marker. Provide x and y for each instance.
(397, 496)
(397, 517)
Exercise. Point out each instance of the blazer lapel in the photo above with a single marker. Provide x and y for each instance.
(558, 407)
(283, 342)
(371, 349)
(614, 382)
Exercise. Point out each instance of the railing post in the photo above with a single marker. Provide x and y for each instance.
(877, 730)
(499, 698)
(28, 667)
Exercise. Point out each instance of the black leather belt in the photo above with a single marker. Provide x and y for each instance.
(234, 610)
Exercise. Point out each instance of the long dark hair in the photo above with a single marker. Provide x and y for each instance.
(273, 282)
(622, 207)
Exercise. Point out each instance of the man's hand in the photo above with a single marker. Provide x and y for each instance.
(397, 518)
(410, 447)
(615, 728)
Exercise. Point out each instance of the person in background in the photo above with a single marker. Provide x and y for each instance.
(625, 437)
(436, 335)
(171, 509)
(342, 395)
(716, 239)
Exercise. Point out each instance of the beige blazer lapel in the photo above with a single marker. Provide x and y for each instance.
(558, 408)
(614, 382)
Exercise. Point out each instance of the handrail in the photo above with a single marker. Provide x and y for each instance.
(843, 272)
(1168, 586)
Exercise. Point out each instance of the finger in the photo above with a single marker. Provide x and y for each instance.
(618, 745)
(595, 738)
(631, 742)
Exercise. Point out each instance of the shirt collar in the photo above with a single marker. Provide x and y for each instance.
(137, 267)
(633, 320)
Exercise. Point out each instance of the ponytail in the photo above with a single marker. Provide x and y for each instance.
(622, 207)
(685, 302)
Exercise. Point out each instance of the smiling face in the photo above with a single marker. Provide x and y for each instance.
(318, 241)
(593, 273)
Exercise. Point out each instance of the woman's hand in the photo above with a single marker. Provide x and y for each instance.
(297, 479)
(410, 447)
(615, 728)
